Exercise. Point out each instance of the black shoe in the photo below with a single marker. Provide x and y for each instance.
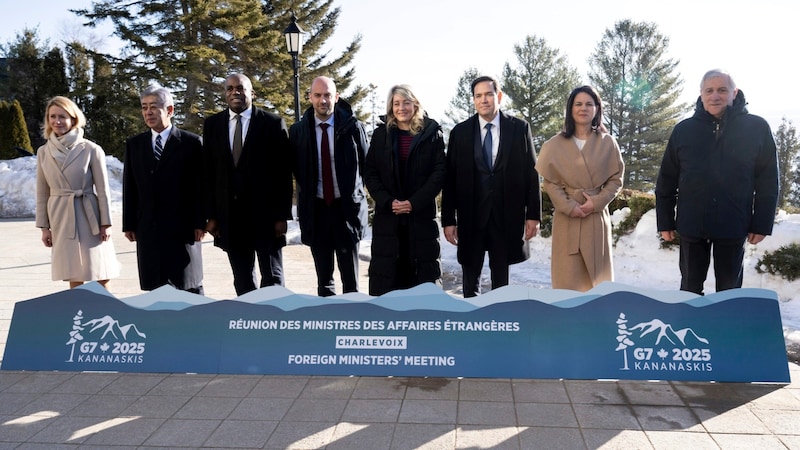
(196, 290)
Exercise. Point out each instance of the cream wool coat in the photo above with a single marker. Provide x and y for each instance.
(581, 247)
(72, 201)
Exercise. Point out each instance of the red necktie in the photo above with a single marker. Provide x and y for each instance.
(327, 169)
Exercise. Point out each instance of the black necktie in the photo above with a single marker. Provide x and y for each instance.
(237, 140)
(327, 167)
(158, 149)
(487, 146)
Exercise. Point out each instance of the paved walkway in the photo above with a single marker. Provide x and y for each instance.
(109, 410)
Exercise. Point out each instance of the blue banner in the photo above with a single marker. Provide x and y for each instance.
(611, 332)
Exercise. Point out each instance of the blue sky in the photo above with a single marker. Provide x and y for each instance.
(429, 43)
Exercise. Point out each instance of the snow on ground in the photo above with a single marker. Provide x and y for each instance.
(638, 260)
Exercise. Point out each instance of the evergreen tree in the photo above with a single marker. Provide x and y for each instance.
(630, 69)
(539, 86)
(35, 73)
(18, 130)
(112, 108)
(13, 133)
(788, 147)
(54, 74)
(461, 106)
(79, 65)
(190, 46)
(6, 146)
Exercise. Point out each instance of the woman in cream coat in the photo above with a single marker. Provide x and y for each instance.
(72, 199)
(582, 169)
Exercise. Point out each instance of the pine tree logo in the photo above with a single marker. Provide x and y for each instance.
(75, 334)
(623, 338)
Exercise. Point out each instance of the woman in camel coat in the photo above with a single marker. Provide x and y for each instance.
(582, 169)
(72, 199)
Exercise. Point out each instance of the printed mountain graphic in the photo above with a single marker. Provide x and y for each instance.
(666, 331)
(110, 325)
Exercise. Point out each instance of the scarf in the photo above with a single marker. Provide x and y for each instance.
(60, 146)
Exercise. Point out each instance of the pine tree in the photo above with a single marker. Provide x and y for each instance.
(112, 108)
(190, 46)
(6, 146)
(79, 65)
(461, 106)
(13, 133)
(34, 75)
(639, 88)
(539, 86)
(19, 132)
(788, 147)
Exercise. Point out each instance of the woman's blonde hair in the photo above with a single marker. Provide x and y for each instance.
(404, 91)
(78, 119)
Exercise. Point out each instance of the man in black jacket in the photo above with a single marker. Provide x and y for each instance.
(720, 172)
(249, 185)
(491, 201)
(329, 148)
(162, 202)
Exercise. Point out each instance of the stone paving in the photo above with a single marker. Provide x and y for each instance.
(54, 410)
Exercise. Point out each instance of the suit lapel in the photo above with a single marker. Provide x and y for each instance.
(171, 145)
(250, 127)
(506, 133)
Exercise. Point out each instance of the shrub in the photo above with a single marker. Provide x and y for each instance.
(546, 225)
(784, 261)
(638, 202)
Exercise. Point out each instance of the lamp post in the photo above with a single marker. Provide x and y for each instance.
(294, 44)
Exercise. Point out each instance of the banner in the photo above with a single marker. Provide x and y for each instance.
(611, 332)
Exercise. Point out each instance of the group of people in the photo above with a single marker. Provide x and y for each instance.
(236, 183)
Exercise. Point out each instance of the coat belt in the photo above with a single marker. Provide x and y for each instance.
(86, 199)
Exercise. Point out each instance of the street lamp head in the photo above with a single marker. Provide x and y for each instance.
(294, 37)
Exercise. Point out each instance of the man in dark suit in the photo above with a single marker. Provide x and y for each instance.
(331, 203)
(162, 201)
(491, 199)
(249, 185)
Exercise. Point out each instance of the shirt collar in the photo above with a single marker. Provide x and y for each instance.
(245, 114)
(164, 133)
(329, 121)
(495, 122)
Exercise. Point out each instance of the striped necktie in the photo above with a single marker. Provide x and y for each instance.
(158, 149)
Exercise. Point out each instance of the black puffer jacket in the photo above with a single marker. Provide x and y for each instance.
(425, 173)
(722, 174)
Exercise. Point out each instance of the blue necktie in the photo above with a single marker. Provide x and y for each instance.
(487, 146)
(158, 149)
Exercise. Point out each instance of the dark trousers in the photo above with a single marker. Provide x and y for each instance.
(695, 257)
(493, 242)
(247, 243)
(331, 237)
(270, 263)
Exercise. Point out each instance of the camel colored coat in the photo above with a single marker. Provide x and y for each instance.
(72, 201)
(581, 250)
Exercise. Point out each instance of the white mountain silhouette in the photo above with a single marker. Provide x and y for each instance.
(112, 326)
(666, 331)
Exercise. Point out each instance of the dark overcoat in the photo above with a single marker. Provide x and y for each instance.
(162, 203)
(424, 178)
(261, 183)
(350, 147)
(516, 192)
